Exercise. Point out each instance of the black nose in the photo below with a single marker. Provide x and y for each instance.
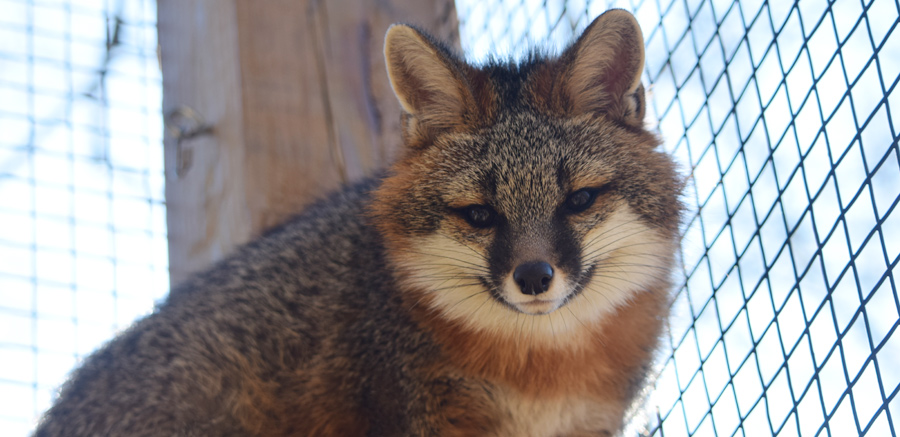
(533, 277)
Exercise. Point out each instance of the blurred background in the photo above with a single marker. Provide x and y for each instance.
(82, 207)
(779, 113)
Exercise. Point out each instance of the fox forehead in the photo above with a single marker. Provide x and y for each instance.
(524, 160)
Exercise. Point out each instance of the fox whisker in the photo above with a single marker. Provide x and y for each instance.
(464, 244)
(610, 243)
(576, 317)
(473, 265)
(449, 266)
(443, 275)
(608, 276)
(609, 233)
(592, 289)
(625, 267)
(453, 287)
(596, 256)
(482, 304)
(467, 298)
(596, 308)
(531, 336)
(562, 315)
(550, 320)
(609, 263)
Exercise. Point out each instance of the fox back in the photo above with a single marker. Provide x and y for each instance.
(509, 275)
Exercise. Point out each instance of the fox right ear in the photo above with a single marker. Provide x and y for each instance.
(429, 83)
(605, 66)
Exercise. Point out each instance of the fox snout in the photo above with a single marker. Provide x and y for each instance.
(533, 277)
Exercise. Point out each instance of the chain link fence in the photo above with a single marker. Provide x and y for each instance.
(780, 113)
(82, 214)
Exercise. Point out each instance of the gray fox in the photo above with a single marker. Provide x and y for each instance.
(508, 276)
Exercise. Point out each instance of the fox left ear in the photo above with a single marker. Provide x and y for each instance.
(430, 83)
(604, 66)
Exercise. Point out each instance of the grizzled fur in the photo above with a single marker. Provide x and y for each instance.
(396, 306)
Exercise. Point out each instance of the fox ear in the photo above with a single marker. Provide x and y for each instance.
(428, 81)
(604, 68)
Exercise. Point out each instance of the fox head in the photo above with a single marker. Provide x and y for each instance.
(529, 194)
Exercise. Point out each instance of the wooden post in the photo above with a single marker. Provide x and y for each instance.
(297, 101)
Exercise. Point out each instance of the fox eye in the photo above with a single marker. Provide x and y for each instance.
(580, 200)
(479, 216)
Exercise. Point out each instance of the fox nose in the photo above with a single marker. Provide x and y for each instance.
(533, 277)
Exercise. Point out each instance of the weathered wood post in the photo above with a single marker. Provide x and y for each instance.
(296, 100)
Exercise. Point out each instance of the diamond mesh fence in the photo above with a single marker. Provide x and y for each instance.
(82, 215)
(780, 113)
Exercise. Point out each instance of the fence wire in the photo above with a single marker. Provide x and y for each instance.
(785, 322)
(779, 111)
(82, 214)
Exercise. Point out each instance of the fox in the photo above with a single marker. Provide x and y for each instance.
(509, 275)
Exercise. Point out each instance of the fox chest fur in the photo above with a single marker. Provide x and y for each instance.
(508, 276)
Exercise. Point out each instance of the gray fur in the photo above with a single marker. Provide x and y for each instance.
(317, 328)
(320, 279)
